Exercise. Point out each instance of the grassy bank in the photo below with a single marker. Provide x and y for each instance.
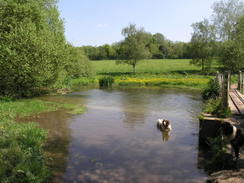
(156, 72)
(21, 145)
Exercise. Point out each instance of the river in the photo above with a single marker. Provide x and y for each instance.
(117, 140)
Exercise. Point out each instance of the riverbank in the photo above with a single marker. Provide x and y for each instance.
(179, 73)
(175, 81)
(22, 156)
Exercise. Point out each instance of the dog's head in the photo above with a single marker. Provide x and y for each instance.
(166, 124)
(226, 128)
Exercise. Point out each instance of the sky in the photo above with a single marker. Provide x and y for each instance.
(98, 22)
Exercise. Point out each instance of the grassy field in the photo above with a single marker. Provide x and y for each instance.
(153, 72)
(152, 66)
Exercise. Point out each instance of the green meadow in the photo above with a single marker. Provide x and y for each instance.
(153, 72)
(150, 66)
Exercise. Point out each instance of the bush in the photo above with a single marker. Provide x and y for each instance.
(106, 82)
(215, 107)
(34, 53)
(31, 47)
(81, 82)
(211, 91)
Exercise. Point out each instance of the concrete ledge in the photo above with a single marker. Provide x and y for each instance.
(209, 127)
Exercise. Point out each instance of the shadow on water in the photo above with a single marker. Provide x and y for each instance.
(117, 139)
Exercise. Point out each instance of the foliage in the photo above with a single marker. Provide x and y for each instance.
(202, 44)
(225, 16)
(219, 158)
(215, 107)
(21, 155)
(31, 45)
(134, 46)
(34, 53)
(21, 145)
(211, 91)
(162, 81)
(77, 65)
(22, 158)
(221, 38)
(232, 56)
(81, 82)
(158, 46)
(106, 82)
(101, 52)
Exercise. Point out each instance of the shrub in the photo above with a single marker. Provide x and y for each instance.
(80, 82)
(215, 107)
(34, 53)
(106, 82)
(211, 91)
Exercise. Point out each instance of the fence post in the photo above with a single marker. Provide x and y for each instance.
(220, 82)
(225, 89)
(239, 81)
(242, 82)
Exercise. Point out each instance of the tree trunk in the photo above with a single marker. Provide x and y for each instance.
(134, 68)
(203, 65)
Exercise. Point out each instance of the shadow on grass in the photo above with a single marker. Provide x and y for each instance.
(179, 72)
(193, 72)
(114, 74)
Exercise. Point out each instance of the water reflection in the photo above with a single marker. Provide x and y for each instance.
(117, 139)
(165, 135)
(134, 107)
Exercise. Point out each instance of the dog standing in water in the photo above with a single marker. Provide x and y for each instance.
(233, 135)
(164, 124)
(165, 127)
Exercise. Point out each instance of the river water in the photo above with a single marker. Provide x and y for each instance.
(116, 140)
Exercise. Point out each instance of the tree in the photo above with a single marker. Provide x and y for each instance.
(226, 15)
(157, 46)
(232, 51)
(133, 48)
(202, 44)
(32, 46)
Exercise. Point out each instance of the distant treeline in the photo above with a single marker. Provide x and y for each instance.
(158, 46)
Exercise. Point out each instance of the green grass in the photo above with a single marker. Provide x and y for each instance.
(151, 66)
(153, 72)
(21, 144)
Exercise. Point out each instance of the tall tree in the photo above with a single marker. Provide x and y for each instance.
(32, 46)
(202, 44)
(232, 51)
(134, 47)
(225, 16)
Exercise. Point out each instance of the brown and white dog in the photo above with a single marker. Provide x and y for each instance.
(164, 124)
(233, 135)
